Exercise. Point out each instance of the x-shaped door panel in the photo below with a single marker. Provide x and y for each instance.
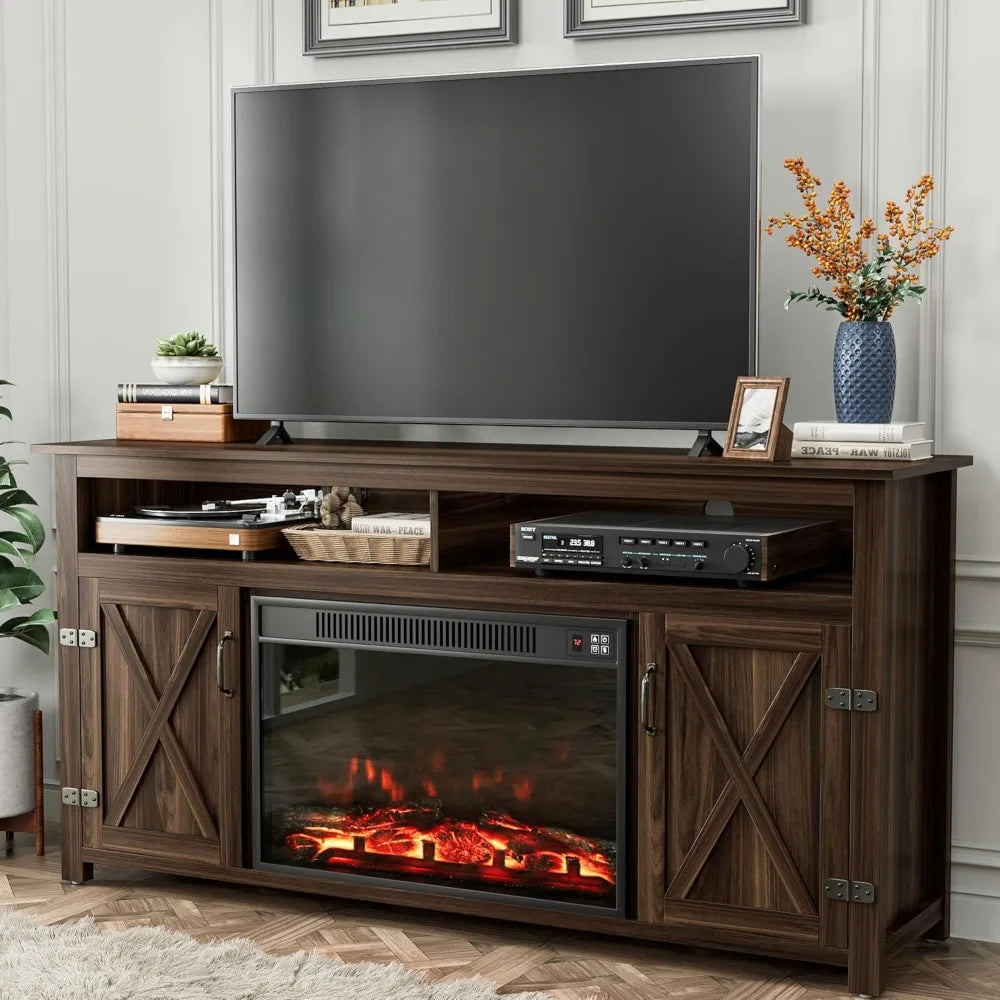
(741, 770)
(159, 731)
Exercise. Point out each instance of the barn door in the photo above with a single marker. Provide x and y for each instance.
(743, 785)
(160, 740)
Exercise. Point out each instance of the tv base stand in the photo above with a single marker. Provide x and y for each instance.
(748, 790)
(704, 445)
(275, 434)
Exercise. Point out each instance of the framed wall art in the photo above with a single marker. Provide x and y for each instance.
(756, 427)
(353, 27)
(600, 18)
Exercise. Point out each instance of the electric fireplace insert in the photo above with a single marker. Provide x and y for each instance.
(443, 751)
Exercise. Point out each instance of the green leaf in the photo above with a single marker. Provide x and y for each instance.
(7, 549)
(24, 584)
(17, 537)
(4, 411)
(31, 524)
(16, 498)
(43, 616)
(35, 635)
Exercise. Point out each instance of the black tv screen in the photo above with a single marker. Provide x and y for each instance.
(570, 247)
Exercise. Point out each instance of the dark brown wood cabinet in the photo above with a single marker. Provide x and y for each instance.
(762, 815)
(160, 738)
(743, 777)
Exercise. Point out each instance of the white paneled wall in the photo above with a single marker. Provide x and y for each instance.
(115, 204)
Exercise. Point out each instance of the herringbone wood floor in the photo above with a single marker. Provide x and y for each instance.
(566, 966)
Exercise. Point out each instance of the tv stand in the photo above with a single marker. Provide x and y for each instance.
(704, 445)
(757, 796)
(275, 434)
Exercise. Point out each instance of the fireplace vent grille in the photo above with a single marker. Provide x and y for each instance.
(426, 632)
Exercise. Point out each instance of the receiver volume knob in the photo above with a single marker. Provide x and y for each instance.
(626, 562)
(736, 558)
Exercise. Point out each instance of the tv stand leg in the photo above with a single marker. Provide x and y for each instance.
(275, 434)
(704, 444)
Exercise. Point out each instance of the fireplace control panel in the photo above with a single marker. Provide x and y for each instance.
(597, 645)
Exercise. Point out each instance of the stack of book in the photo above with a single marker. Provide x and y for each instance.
(879, 442)
(156, 411)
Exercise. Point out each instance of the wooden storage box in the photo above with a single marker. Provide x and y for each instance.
(210, 423)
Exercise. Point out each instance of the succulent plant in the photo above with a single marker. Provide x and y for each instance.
(186, 345)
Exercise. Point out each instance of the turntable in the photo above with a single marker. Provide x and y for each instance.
(244, 526)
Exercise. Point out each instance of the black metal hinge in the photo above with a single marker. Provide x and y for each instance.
(848, 700)
(843, 891)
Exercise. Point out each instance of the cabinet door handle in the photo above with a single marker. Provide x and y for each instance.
(228, 692)
(647, 695)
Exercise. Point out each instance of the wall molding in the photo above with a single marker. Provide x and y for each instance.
(264, 31)
(871, 36)
(57, 219)
(4, 249)
(977, 568)
(983, 636)
(217, 117)
(975, 897)
(56, 254)
(975, 855)
(931, 314)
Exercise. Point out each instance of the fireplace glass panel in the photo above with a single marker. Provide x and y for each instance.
(453, 771)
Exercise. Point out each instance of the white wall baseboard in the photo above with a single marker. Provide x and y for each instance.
(975, 895)
(975, 918)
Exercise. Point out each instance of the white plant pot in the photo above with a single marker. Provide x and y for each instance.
(17, 751)
(186, 371)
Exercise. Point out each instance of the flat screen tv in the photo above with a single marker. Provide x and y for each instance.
(568, 247)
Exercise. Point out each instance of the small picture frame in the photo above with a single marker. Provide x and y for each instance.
(756, 429)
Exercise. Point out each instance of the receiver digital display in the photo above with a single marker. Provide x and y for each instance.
(571, 543)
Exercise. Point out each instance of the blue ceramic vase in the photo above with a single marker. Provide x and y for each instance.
(864, 372)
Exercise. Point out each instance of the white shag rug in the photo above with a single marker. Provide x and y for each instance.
(79, 962)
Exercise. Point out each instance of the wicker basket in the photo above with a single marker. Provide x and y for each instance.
(318, 543)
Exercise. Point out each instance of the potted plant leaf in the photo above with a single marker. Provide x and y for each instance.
(186, 359)
(868, 284)
(21, 536)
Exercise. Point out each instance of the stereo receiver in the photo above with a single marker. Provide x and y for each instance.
(746, 549)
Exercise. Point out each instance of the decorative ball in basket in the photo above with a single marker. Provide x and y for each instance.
(333, 540)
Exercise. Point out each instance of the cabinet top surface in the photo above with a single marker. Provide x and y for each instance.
(500, 458)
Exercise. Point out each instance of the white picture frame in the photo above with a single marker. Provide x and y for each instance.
(601, 18)
(343, 27)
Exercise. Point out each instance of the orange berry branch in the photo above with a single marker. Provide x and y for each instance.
(864, 287)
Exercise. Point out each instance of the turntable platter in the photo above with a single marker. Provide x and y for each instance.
(221, 510)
